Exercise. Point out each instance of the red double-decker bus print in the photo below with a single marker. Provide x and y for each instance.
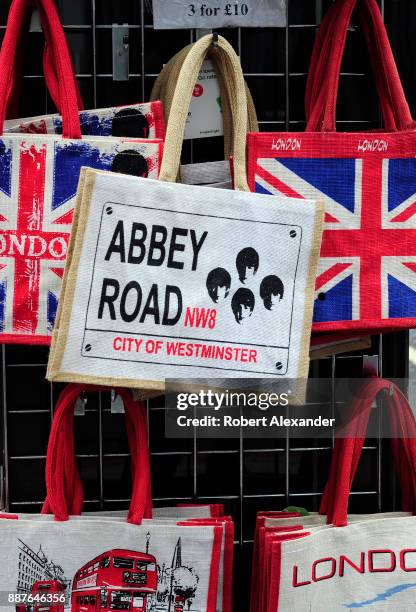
(115, 580)
(53, 592)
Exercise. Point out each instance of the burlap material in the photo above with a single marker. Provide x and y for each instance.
(165, 84)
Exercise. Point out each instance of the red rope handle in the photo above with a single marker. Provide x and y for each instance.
(347, 450)
(63, 483)
(323, 78)
(62, 60)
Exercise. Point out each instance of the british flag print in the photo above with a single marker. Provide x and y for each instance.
(367, 272)
(38, 183)
(133, 121)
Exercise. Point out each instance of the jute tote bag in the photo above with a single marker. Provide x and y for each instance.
(135, 120)
(367, 180)
(40, 174)
(344, 463)
(61, 501)
(364, 561)
(257, 244)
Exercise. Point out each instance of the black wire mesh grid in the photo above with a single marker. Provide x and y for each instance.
(247, 474)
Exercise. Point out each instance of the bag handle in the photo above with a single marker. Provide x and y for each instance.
(49, 68)
(62, 60)
(403, 429)
(323, 49)
(164, 89)
(180, 105)
(323, 81)
(347, 450)
(63, 485)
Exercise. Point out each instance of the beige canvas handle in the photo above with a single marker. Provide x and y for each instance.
(164, 89)
(233, 76)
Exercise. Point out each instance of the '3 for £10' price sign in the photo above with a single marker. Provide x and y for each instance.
(171, 14)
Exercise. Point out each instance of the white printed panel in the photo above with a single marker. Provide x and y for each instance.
(179, 280)
(369, 566)
(184, 284)
(118, 564)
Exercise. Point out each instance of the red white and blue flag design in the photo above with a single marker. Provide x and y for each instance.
(134, 121)
(367, 272)
(38, 184)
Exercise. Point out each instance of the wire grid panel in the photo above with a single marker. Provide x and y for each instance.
(247, 474)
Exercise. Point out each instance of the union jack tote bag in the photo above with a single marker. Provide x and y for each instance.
(143, 120)
(38, 183)
(366, 277)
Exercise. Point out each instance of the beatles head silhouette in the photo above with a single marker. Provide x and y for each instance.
(247, 263)
(242, 304)
(130, 122)
(218, 284)
(271, 291)
(130, 162)
(243, 301)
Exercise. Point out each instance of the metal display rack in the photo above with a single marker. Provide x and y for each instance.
(247, 474)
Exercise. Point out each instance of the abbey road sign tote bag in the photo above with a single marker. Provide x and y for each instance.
(185, 280)
(212, 173)
(366, 277)
(37, 190)
(113, 343)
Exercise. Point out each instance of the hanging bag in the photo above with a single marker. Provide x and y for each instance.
(362, 560)
(112, 562)
(365, 279)
(64, 487)
(235, 233)
(39, 180)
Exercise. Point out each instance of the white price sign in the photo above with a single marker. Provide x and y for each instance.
(205, 115)
(176, 14)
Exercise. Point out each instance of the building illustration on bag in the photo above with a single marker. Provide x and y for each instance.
(243, 301)
(36, 567)
(40, 578)
(117, 579)
(177, 584)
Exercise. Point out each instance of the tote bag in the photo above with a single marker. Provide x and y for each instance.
(135, 120)
(367, 181)
(61, 501)
(39, 180)
(371, 559)
(138, 559)
(233, 226)
(344, 463)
